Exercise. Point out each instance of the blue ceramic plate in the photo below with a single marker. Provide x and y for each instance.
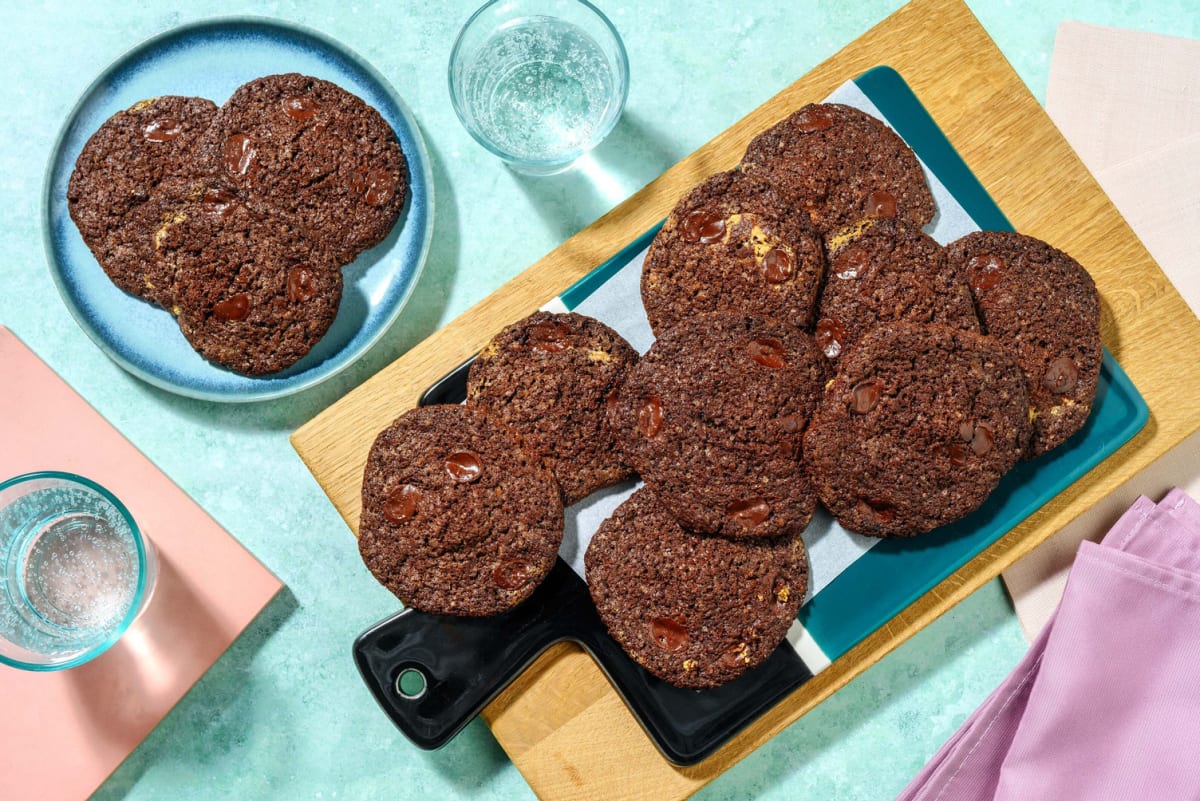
(211, 59)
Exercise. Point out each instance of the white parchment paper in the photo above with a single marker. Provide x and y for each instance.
(618, 303)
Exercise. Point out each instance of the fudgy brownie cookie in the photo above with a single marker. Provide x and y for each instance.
(916, 429)
(548, 376)
(843, 165)
(1042, 305)
(129, 173)
(712, 418)
(882, 270)
(694, 610)
(733, 243)
(248, 293)
(458, 517)
(317, 153)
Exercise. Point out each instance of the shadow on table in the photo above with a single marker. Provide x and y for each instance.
(117, 691)
(629, 158)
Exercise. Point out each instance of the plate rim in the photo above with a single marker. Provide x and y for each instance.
(336, 363)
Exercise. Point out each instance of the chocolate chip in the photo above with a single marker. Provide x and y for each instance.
(549, 336)
(881, 204)
(767, 352)
(301, 284)
(1061, 375)
(778, 266)
(703, 226)
(985, 271)
(865, 395)
(650, 416)
(668, 634)
(464, 466)
(830, 336)
(813, 119)
(750, 512)
(401, 503)
(300, 107)
(233, 309)
(512, 574)
(239, 153)
(163, 130)
(983, 439)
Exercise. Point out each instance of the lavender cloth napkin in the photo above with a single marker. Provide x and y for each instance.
(1106, 704)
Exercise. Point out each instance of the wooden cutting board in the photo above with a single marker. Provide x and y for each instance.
(561, 723)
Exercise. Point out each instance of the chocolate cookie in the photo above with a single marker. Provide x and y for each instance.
(129, 175)
(882, 270)
(843, 165)
(712, 418)
(1042, 305)
(694, 610)
(548, 376)
(916, 429)
(458, 517)
(315, 152)
(734, 243)
(248, 293)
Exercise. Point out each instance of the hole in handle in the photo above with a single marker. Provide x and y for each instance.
(411, 684)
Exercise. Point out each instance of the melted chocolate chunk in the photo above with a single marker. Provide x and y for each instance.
(464, 466)
(233, 309)
(401, 504)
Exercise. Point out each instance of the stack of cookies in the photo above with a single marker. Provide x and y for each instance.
(238, 219)
(813, 346)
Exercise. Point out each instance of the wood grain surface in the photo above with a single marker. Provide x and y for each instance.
(561, 723)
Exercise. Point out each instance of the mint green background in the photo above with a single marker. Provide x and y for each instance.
(283, 714)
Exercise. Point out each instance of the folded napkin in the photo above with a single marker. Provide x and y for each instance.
(1106, 704)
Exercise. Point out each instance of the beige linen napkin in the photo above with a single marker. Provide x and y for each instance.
(1129, 103)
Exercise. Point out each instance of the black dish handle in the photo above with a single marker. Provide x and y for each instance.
(432, 674)
(457, 665)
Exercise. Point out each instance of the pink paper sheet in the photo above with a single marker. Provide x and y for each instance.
(63, 733)
(1129, 104)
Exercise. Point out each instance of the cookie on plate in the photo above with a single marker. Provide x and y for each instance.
(882, 270)
(130, 173)
(712, 419)
(315, 152)
(843, 165)
(695, 610)
(733, 243)
(549, 376)
(458, 517)
(916, 429)
(249, 293)
(1043, 305)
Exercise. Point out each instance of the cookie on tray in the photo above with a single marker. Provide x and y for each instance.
(712, 419)
(549, 377)
(843, 165)
(695, 610)
(248, 293)
(882, 270)
(1043, 305)
(733, 243)
(916, 429)
(458, 517)
(315, 152)
(131, 171)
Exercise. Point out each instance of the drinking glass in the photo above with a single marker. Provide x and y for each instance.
(76, 570)
(539, 82)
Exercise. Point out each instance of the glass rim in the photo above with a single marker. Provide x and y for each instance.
(457, 103)
(139, 593)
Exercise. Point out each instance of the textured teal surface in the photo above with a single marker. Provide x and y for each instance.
(282, 714)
